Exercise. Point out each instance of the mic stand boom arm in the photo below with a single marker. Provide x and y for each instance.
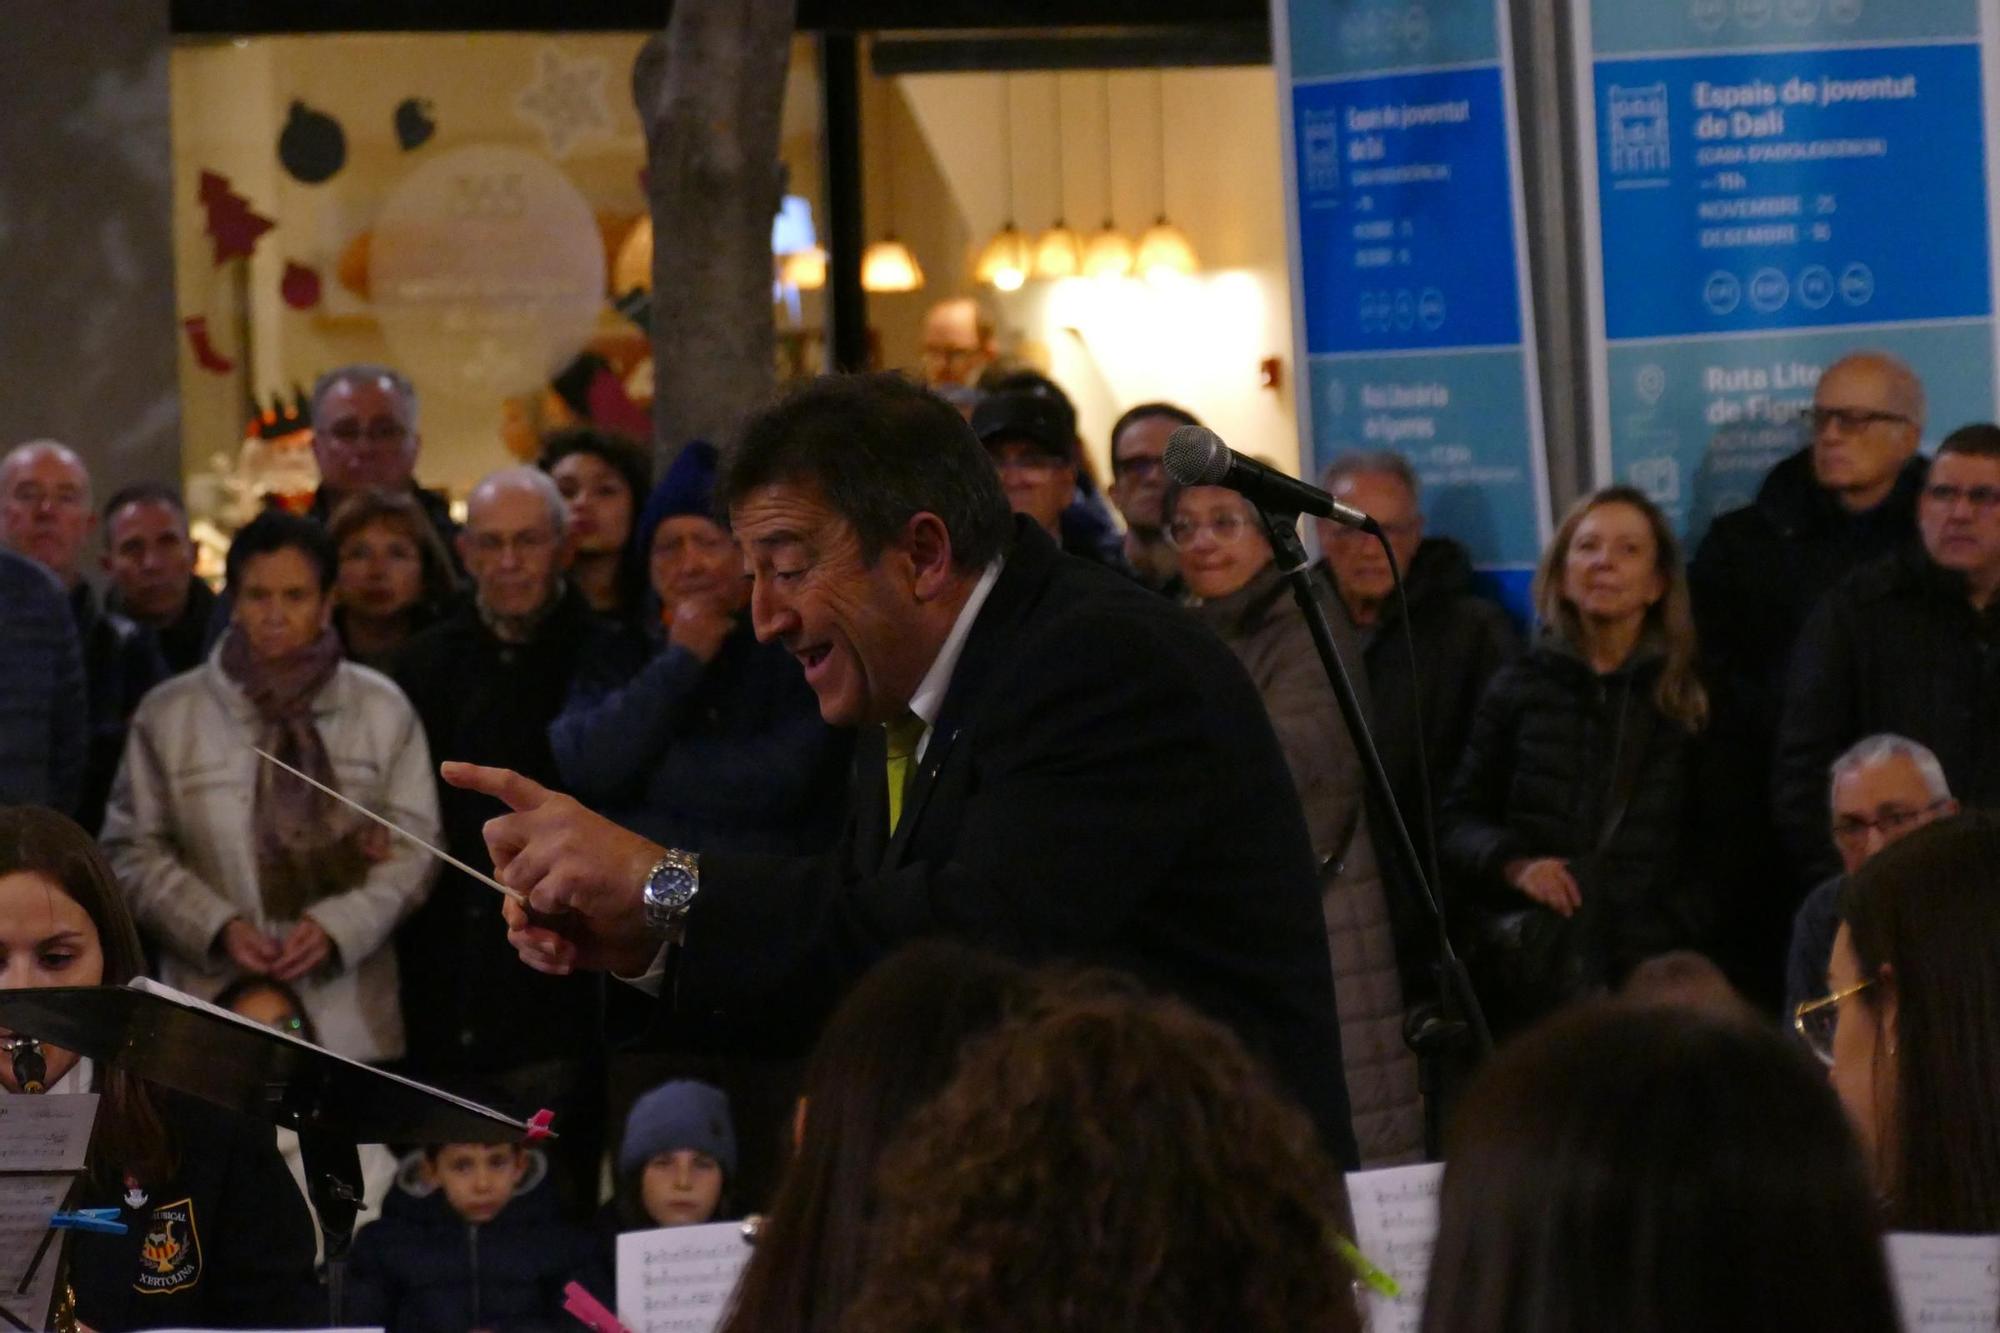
(1436, 1042)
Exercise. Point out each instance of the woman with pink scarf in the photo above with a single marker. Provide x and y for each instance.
(234, 867)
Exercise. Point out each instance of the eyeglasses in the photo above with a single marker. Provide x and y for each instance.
(521, 543)
(1853, 830)
(1946, 495)
(1849, 419)
(1227, 528)
(1138, 466)
(32, 496)
(1816, 1020)
(382, 430)
(1039, 465)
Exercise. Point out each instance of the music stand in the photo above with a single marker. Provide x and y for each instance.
(211, 1054)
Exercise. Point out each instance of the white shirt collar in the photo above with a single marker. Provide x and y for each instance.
(76, 1080)
(928, 701)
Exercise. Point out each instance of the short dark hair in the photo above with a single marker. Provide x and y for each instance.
(618, 452)
(879, 450)
(145, 492)
(1980, 439)
(275, 530)
(1140, 413)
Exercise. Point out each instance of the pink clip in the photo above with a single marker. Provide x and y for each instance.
(540, 1125)
(589, 1311)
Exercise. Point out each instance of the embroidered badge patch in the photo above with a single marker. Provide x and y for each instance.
(169, 1251)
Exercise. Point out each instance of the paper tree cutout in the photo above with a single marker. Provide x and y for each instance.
(232, 223)
(566, 101)
(203, 346)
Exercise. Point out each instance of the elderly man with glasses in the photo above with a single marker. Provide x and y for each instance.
(1882, 789)
(364, 423)
(1846, 496)
(1908, 644)
(1460, 639)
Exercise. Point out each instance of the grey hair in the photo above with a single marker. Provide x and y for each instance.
(1904, 384)
(1886, 745)
(20, 453)
(528, 478)
(1378, 462)
(361, 372)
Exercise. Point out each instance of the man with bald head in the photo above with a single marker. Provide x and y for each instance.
(1846, 497)
(46, 514)
(488, 681)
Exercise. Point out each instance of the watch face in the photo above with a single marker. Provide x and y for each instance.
(670, 888)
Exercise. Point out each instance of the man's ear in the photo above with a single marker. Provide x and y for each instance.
(927, 546)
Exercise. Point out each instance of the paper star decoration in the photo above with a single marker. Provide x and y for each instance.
(566, 101)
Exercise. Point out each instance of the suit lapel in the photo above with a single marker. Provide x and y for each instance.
(1031, 559)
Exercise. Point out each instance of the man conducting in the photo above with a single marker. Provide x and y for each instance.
(1052, 762)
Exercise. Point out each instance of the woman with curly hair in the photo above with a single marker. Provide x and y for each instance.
(1111, 1161)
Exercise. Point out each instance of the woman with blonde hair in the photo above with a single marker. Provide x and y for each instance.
(1566, 824)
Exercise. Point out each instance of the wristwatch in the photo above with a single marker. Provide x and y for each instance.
(670, 889)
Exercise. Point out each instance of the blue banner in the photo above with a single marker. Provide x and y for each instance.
(1762, 212)
(1403, 173)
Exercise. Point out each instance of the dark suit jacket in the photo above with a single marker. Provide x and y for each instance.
(1102, 785)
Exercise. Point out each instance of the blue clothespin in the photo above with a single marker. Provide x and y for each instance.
(90, 1219)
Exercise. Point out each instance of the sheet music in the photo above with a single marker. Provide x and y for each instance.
(679, 1279)
(32, 1308)
(1395, 1226)
(44, 1133)
(26, 1204)
(1946, 1282)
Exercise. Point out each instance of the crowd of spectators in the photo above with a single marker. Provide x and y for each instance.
(1776, 753)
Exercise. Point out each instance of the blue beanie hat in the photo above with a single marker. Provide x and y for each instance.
(676, 1115)
(687, 488)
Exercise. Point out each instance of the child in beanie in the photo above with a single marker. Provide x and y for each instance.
(678, 1157)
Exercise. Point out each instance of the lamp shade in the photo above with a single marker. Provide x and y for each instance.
(1109, 254)
(1058, 253)
(1005, 262)
(806, 269)
(1164, 252)
(888, 266)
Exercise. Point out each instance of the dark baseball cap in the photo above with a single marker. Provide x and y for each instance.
(1035, 418)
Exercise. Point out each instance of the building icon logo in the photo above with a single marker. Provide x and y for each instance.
(1639, 130)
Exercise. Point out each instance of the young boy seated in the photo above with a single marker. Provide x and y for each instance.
(471, 1239)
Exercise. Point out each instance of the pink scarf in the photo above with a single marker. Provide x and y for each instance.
(309, 846)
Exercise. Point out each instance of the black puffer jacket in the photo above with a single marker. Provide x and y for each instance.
(421, 1268)
(1896, 648)
(1537, 779)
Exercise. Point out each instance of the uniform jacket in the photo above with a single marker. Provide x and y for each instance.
(727, 755)
(1897, 647)
(1549, 739)
(225, 1243)
(44, 717)
(1102, 784)
(421, 1268)
(179, 836)
(1264, 627)
(469, 1001)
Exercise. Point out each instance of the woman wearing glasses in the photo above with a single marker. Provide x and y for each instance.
(1911, 1030)
(1228, 565)
(1567, 819)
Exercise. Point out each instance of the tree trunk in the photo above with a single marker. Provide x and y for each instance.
(710, 93)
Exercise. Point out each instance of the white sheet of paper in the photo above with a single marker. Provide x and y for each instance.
(679, 1279)
(1395, 1226)
(26, 1204)
(46, 1133)
(1946, 1282)
(32, 1307)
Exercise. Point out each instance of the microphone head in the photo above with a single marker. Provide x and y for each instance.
(1196, 456)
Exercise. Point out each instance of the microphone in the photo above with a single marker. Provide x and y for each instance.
(1196, 456)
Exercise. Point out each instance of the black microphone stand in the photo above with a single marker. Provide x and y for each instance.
(1457, 1030)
